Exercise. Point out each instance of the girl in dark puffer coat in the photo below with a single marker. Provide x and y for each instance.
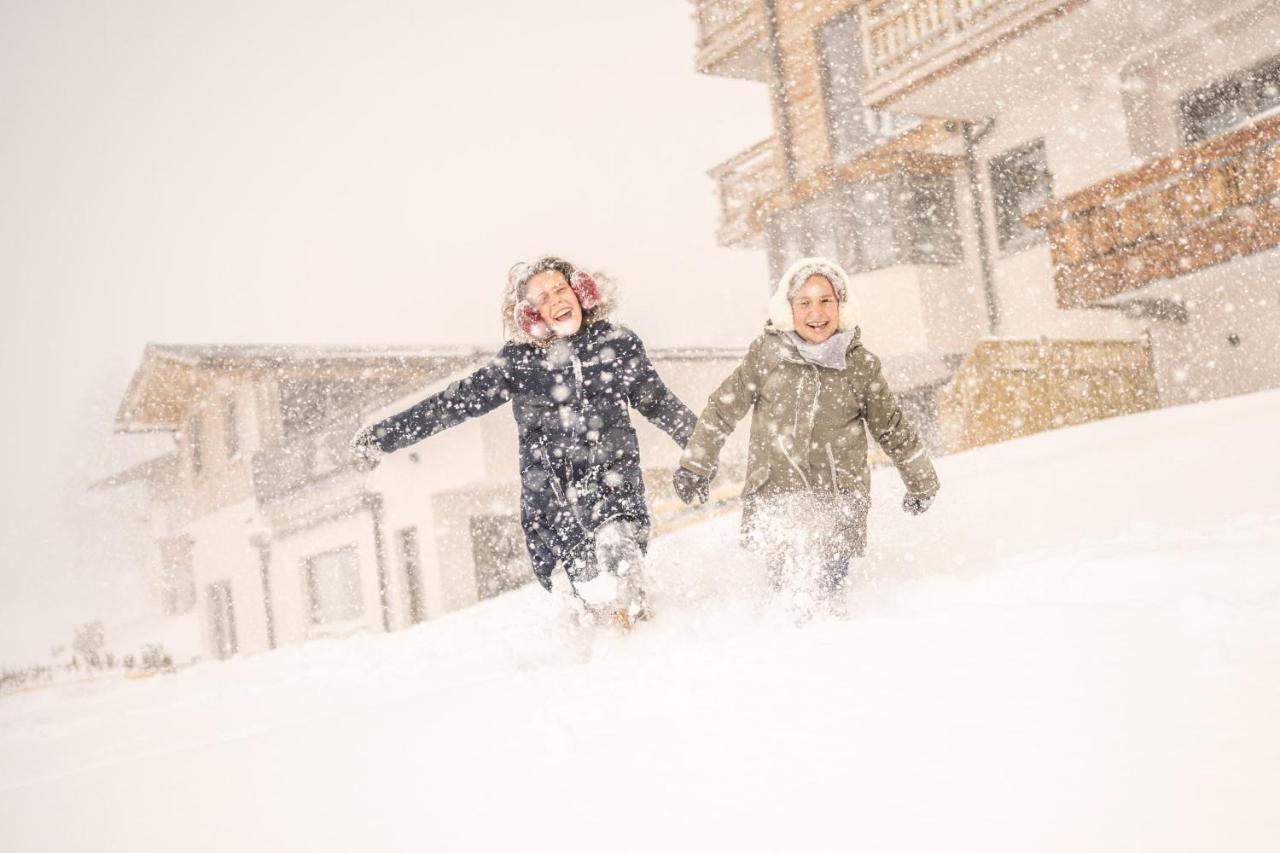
(570, 376)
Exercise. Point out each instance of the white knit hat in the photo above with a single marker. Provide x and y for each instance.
(780, 303)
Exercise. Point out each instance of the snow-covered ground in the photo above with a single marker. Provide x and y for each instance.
(1077, 648)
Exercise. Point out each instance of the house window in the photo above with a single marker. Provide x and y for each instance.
(410, 560)
(930, 229)
(808, 229)
(222, 619)
(194, 444)
(333, 587)
(898, 218)
(1020, 184)
(821, 227)
(852, 129)
(231, 427)
(1227, 104)
(786, 241)
(840, 52)
(501, 559)
(873, 225)
(177, 575)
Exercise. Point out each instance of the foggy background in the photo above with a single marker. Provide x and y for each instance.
(319, 172)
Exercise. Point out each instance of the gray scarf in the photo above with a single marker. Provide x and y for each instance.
(829, 353)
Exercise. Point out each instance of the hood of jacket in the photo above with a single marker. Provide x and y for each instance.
(512, 296)
(780, 316)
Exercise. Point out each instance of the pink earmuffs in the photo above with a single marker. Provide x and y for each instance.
(584, 288)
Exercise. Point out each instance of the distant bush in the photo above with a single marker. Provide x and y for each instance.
(156, 659)
(88, 652)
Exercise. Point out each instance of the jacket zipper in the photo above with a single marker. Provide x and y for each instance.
(577, 372)
(783, 448)
(831, 457)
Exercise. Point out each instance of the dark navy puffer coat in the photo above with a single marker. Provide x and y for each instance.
(579, 457)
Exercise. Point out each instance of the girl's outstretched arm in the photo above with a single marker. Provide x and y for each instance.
(481, 392)
(727, 405)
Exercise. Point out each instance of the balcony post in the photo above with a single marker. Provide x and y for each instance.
(779, 89)
(972, 138)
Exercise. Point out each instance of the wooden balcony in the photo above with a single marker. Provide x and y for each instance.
(1174, 215)
(745, 183)
(731, 38)
(909, 43)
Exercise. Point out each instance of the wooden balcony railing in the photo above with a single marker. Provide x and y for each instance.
(908, 42)
(731, 36)
(1174, 215)
(745, 182)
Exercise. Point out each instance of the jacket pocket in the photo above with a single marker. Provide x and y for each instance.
(756, 477)
(844, 477)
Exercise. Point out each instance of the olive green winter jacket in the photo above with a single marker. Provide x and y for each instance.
(809, 429)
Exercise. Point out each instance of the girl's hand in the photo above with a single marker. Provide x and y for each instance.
(916, 504)
(690, 486)
(366, 454)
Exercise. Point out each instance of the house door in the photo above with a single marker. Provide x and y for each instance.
(222, 619)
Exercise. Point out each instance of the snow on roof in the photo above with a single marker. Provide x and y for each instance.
(165, 383)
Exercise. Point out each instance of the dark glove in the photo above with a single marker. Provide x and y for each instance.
(366, 453)
(689, 486)
(916, 504)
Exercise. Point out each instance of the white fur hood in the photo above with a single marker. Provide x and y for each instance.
(780, 317)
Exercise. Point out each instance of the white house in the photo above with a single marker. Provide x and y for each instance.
(263, 525)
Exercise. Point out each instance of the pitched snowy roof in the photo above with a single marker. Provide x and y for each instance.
(165, 384)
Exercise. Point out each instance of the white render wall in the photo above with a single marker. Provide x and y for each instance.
(1104, 101)
(1198, 361)
(222, 551)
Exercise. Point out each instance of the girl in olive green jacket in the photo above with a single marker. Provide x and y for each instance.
(814, 393)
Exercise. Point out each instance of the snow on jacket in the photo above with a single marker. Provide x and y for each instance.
(809, 430)
(579, 456)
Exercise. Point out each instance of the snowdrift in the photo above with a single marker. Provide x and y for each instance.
(1077, 648)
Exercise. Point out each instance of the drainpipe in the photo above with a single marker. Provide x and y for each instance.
(374, 503)
(778, 89)
(264, 566)
(972, 137)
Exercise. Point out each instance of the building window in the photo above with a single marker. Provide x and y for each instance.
(177, 575)
(222, 619)
(194, 444)
(852, 129)
(333, 587)
(898, 218)
(1227, 104)
(410, 560)
(930, 227)
(501, 559)
(231, 427)
(1020, 184)
(869, 240)
(786, 241)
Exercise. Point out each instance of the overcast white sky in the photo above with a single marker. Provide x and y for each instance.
(347, 172)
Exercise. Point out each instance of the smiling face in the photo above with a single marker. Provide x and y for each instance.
(551, 296)
(815, 310)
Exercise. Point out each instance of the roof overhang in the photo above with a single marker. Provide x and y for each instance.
(165, 386)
